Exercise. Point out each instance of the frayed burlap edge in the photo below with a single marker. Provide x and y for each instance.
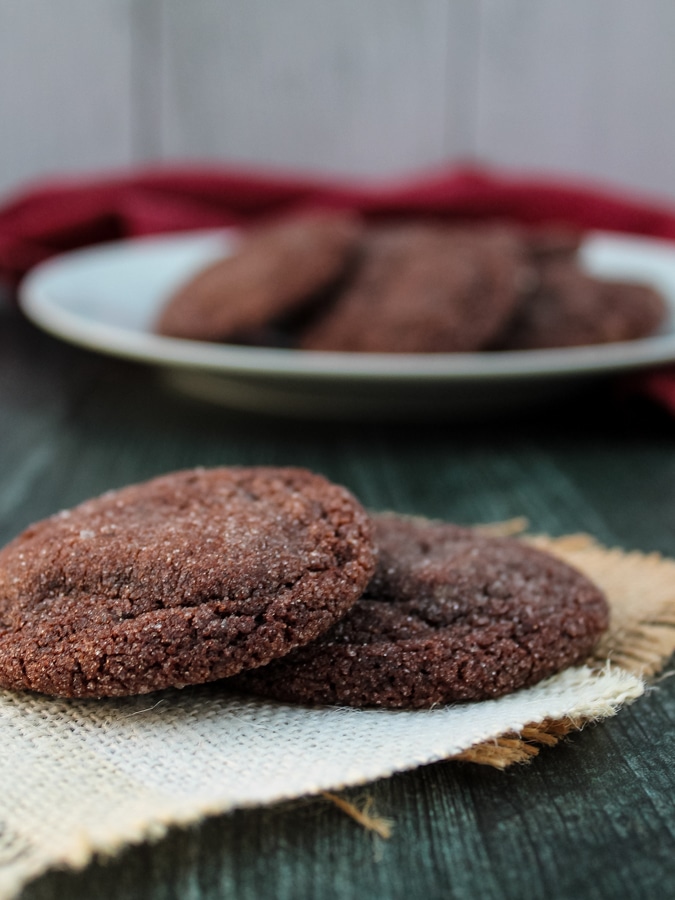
(641, 591)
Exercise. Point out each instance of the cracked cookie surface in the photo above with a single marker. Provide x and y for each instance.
(187, 578)
(450, 615)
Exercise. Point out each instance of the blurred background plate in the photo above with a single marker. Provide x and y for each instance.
(106, 298)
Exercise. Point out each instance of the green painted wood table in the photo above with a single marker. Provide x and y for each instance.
(592, 818)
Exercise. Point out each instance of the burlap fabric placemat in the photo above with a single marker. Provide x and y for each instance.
(85, 777)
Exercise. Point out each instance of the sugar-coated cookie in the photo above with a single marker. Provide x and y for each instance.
(423, 288)
(450, 615)
(570, 308)
(271, 273)
(187, 578)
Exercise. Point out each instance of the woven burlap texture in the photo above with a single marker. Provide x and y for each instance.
(86, 777)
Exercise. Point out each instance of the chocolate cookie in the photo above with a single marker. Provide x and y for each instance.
(449, 615)
(547, 243)
(184, 579)
(570, 308)
(273, 272)
(424, 288)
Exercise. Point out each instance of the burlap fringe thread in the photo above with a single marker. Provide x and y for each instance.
(379, 825)
(641, 591)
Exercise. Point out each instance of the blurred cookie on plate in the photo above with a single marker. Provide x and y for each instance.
(570, 309)
(547, 243)
(274, 271)
(421, 288)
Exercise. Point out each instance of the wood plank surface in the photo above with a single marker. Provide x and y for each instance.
(65, 87)
(579, 88)
(346, 87)
(592, 818)
(370, 89)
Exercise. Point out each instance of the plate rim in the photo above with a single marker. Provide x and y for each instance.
(231, 359)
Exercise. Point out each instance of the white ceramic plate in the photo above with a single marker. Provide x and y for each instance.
(107, 297)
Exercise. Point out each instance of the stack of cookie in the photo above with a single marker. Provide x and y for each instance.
(280, 582)
(328, 281)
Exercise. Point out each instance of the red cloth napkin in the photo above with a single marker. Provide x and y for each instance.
(65, 214)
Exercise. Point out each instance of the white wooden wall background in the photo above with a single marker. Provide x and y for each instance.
(358, 87)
